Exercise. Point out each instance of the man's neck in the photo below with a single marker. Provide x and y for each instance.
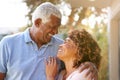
(32, 35)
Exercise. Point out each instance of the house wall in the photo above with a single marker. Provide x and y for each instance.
(113, 51)
(114, 41)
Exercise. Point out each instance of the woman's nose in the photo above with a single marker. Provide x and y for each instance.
(60, 45)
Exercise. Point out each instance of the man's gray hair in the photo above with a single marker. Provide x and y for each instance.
(44, 10)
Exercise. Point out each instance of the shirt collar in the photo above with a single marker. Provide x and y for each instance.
(27, 36)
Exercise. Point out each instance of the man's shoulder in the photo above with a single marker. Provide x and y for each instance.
(11, 37)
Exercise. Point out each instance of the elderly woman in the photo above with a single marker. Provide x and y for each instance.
(79, 47)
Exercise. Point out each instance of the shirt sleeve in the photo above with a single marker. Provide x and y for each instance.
(3, 56)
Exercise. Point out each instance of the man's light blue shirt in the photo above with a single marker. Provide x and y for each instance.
(20, 58)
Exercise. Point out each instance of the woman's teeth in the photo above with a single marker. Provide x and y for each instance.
(50, 34)
(60, 50)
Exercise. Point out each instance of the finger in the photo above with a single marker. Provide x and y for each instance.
(83, 66)
(89, 72)
(89, 76)
(55, 62)
(49, 60)
(46, 62)
(94, 73)
(94, 76)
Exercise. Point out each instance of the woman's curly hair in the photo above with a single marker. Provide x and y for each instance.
(88, 49)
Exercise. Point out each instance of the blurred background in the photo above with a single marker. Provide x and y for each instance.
(100, 17)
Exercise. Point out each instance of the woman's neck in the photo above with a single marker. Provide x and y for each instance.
(69, 67)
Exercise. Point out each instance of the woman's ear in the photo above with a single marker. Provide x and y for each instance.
(38, 22)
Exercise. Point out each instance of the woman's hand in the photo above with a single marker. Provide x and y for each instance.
(51, 68)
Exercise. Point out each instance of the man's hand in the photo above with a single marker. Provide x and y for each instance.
(93, 72)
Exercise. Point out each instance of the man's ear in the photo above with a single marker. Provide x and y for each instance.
(38, 22)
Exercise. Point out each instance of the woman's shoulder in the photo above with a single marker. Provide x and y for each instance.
(77, 75)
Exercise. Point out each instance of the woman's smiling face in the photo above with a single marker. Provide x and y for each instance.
(67, 50)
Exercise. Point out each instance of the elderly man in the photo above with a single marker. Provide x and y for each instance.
(22, 55)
